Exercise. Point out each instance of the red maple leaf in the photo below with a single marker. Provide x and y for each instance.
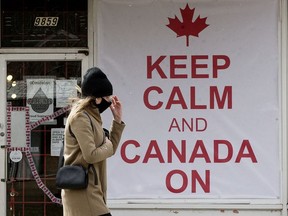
(188, 27)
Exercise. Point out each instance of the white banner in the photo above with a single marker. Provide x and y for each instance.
(202, 109)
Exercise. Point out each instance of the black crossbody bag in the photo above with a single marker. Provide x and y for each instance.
(73, 176)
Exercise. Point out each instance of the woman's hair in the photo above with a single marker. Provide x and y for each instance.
(80, 103)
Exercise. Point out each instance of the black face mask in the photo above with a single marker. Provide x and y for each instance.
(103, 105)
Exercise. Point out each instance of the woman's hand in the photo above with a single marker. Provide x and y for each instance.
(116, 108)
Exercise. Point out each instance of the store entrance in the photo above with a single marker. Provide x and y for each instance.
(34, 107)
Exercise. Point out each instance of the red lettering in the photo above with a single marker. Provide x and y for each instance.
(195, 65)
(173, 152)
(193, 104)
(217, 67)
(204, 125)
(174, 66)
(123, 151)
(174, 124)
(153, 146)
(197, 124)
(184, 181)
(227, 95)
(197, 178)
(176, 97)
(250, 154)
(199, 66)
(172, 148)
(224, 143)
(146, 98)
(202, 154)
(155, 66)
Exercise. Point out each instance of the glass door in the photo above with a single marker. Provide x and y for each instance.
(35, 104)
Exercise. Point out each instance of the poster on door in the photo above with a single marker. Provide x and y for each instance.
(57, 140)
(199, 83)
(65, 92)
(40, 95)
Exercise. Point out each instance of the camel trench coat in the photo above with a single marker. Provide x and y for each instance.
(89, 146)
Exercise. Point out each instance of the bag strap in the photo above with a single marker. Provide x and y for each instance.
(94, 172)
(61, 157)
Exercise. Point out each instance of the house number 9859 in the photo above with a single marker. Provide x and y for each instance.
(46, 21)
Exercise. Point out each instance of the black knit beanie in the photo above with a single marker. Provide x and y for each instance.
(96, 83)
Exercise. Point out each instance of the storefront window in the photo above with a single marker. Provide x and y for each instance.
(46, 88)
(43, 23)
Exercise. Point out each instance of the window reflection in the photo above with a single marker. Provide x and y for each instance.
(44, 23)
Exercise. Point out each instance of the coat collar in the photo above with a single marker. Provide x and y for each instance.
(94, 112)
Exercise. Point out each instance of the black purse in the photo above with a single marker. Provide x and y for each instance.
(73, 176)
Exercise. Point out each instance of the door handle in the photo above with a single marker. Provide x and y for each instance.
(2, 134)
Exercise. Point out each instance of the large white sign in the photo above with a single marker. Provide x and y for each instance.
(200, 90)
